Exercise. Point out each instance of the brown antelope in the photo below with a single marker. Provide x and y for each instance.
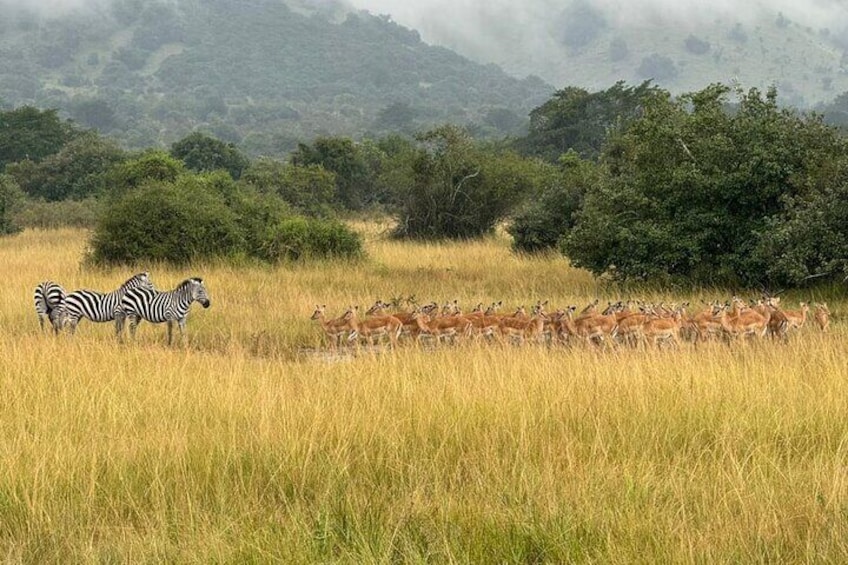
(706, 323)
(336, 328)
(374, 327)
(665, 328)
(594, 328)
(744, 321)
(631, 326)
(796, 318)
(452, 326)
(822, 315)
(523, 328)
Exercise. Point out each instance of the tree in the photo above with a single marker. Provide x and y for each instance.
(548, 216)
(10, 198)
(575, 119)
(152, 165)
(690, 189)
(343, 158)
(308, 189)
(457, 190)
(201, 153)
(30, 133)
(80, 169)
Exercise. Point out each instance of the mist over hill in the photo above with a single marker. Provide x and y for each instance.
(683, 45)
(261, 73)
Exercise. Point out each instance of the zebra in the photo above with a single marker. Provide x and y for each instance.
(157, 307)
(49, 297)
(96, 306)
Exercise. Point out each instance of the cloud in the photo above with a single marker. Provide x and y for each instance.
(440, 20)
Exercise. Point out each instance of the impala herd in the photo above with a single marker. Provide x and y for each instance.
(631, 323)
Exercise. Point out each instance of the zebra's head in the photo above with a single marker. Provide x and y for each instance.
(139, 280)
(198, 292)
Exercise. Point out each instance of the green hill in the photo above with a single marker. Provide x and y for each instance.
(254, 72)
(683, 46)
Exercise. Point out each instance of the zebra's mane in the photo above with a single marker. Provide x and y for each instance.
(137, 276)
(189, 281)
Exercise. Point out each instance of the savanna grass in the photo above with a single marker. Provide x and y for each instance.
(245, 445)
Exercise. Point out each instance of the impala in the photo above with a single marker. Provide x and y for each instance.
(523, 328)
(744, 321)
(452, 326)
(796, 318)
(336, 328)
(822, 315)
(666, 328)
(373, 327)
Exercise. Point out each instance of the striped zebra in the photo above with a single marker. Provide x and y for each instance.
(97, 306)
(48, 297)
(157, 307)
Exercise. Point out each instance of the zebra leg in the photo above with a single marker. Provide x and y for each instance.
(119, 325)
(41, 321)
(170, 330)
(71, 323)
(181, 324)
(135, 319)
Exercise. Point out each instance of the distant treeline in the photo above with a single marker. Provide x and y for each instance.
(717, 187)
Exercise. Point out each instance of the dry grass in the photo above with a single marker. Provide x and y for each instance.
(237, 447)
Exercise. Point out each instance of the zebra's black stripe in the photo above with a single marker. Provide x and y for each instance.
(158, 307)
(97, 306)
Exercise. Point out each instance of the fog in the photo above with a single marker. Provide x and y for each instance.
(495, 30)
(474, 17)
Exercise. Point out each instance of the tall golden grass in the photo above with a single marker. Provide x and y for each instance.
(240, 446)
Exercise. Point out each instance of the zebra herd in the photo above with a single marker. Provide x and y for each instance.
(135, 300)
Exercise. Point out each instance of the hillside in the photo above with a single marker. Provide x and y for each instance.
(685, 45)
(254, 72)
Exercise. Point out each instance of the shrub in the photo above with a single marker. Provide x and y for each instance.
(457, 190)
(309, 238)
(174, 223)
(547, 218)
(208, 216)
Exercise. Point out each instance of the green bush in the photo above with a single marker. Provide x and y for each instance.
(209, 216)
(544, 220)
(309, 238)
(174, 223)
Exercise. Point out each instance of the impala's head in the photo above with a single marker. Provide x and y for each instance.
(822, 307)
(318, 313)
(429, 308)
(378, 307)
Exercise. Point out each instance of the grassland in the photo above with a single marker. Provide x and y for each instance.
(241, 446)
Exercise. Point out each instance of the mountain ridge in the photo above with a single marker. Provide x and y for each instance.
(254, 72)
